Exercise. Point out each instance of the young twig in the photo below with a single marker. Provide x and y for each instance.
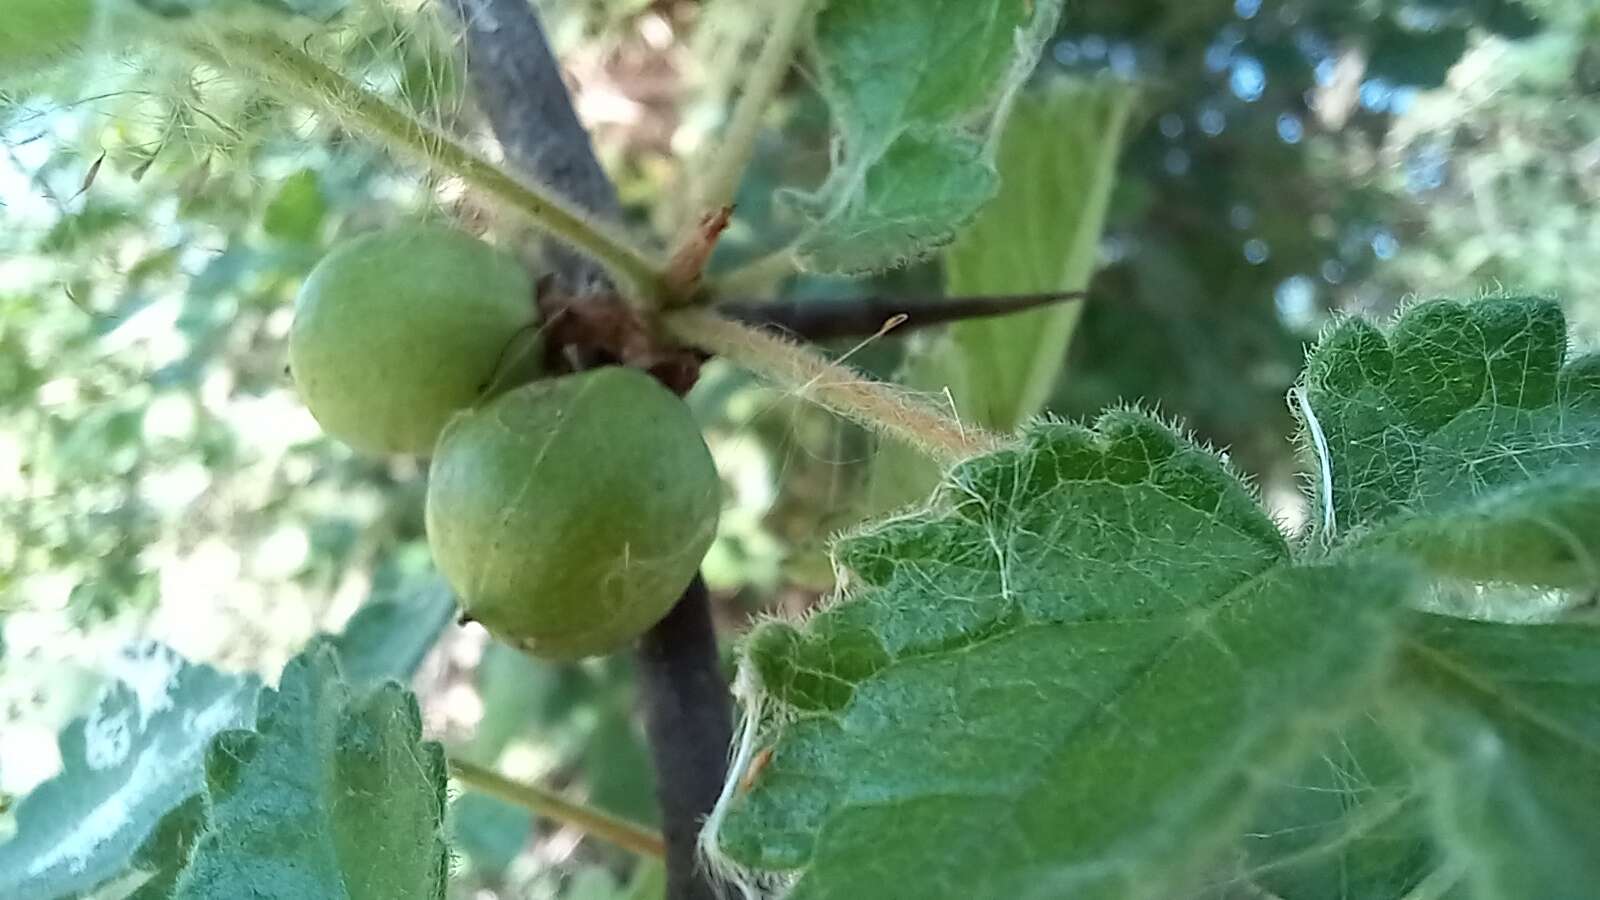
(551, 805)
(687, 265)
(733, 153)
(289, 69)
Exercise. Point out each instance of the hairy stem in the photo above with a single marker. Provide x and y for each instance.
(544, 802)
(690, 726)
(886, 408)
(289, 69)
(763, 81)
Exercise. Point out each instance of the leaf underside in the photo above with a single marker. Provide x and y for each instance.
(910, 83)
(136, 756)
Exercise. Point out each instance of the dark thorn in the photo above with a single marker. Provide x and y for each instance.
(823, 320)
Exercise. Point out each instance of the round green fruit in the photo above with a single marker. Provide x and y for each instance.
(395, 332)
(570, 514)
(35, 32)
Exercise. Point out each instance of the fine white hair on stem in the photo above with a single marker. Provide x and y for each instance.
(749, 695)
(889, 409)
(1319, 443)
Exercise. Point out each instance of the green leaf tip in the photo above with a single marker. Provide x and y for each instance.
(1062, 677)
(334, 795)
(1461, 438)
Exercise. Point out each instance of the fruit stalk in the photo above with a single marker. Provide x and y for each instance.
(551, 805)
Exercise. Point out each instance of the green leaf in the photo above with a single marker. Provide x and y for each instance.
(1461, 439)
(136, 756)
(1057, 163)
(160, 860)
(1507, 730)
(297, 210)
(926, 185)
(334, 796)
(1065, 679)
(388, 638)
(887, 64)
(917, 92)
(1348, 824)
(38, 32)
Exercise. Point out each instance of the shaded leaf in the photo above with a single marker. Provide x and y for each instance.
(297, 210)
(136, 756)
(911, 200)
(1508, 733)
(1417, 58)
(388, 638)
(1348, 824)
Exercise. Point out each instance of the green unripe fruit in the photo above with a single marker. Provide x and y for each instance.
(395, 332)
(34, 32)
(570, 514)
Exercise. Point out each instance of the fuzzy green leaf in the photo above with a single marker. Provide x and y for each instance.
(926, 185)
(297, 209)
(1350, 824)
(136, 756)
(913, 87)
(1065, 679)
(334, 796)
(1508, 732)
(1461, 439)
(887, 64)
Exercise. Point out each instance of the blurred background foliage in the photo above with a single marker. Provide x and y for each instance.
(1287, 160)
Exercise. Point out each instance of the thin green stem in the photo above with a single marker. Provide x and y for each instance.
(288, 68)
(547, 803)
(763, 81)
(889, 409)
